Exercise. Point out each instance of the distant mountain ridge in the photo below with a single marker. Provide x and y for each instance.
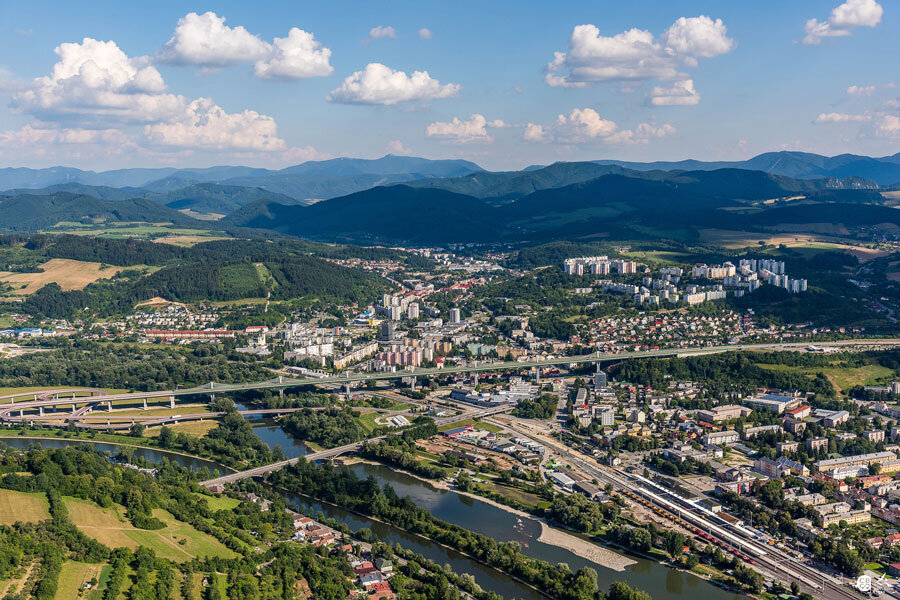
(507, 186)
(299, 178)
(614, 202)
(799, 165)
(204, 198)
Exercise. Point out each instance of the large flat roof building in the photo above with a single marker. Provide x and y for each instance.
(773, 402)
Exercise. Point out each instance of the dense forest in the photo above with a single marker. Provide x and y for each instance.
(221, 270)
(89, 364)
(733, 371)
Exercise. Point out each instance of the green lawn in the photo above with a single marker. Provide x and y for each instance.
(449, 426)
(219, 502)
(488, 427)
(367, 421)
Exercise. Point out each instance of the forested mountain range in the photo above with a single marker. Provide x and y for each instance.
(801, 165)
(609, 204)
(445, 201)
(309, 180)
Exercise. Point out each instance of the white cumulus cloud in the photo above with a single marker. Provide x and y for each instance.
(834, 117)
(207, 125)
(380, 33)
(425, 33)
(205, 40)
(397, 147)
(647, 131)
(585, 125)
(473, 129)
(889, 126)
(860, 90)
(379, 84)
(636, 54)
(843, 20)
(680, 93)
(296, 56)
(95, 82)
(96, 92)
(698, 37)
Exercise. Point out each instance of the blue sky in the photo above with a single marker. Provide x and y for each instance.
(170, 83)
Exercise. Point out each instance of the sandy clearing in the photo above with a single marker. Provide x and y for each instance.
(584, 549)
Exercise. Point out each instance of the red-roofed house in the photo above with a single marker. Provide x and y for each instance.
(801, 412)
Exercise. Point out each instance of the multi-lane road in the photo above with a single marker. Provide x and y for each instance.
(282, 383)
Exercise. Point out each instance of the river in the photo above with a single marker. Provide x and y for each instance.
(661, 582)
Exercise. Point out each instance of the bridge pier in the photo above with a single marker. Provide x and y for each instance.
(41, 410)
(347, 390)
(145, 404)
(21, 413)
(109, 406)
(171, 401)
(281, 392)
(412, 383)
(74, 408)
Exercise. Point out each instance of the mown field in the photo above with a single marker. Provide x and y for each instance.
(69, 274)
(24, 507)
(73, 576)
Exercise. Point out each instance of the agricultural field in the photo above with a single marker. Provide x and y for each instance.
(72, 578)
(69, 274)
(24, 507)
(177, 541)
(795, 241)
(186, 241)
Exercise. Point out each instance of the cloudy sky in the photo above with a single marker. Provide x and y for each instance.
(507, 84)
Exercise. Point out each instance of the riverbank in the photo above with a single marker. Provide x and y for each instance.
(4, 436)
(583, 548)
(549, 535)
(285, 491)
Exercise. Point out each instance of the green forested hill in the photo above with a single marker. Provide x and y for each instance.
(31, 212)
